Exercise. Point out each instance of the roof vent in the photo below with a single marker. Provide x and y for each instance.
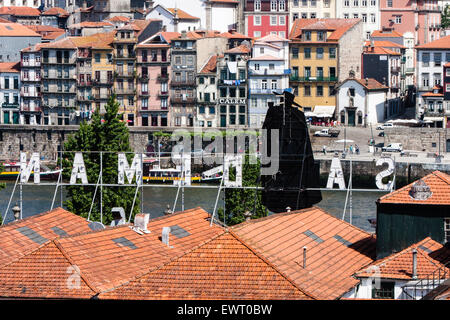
(165, 236)
(304, 257)
(141, 221)
(118, 216)
(420, 191)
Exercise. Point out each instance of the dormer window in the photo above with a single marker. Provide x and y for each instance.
(320, 36)
(308, 36)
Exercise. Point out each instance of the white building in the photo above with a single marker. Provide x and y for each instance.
(366, 10)
(30, 91)
(174, 19)
(268, 71)
(9, 92)
(361, 102)
(307, 9)
(431, 57)
(408, 43)
(206, 115)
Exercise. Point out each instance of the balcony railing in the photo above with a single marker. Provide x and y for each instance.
(30, 64)
(13, 105)
(267, 72)
(313, 79)
(228, 82)
(125, 74)
(85, 98)
(163, 93)
(185, 82)
(262, 91)
(30, 94)
(30, 108)
(97, 82)
(162, 77)
(125, 91)
(143, 78)
(181, 99)
(144, 94)
(84, 83)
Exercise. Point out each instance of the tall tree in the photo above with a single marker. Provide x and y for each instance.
(105, 133)
(238, 201)
(445, 17)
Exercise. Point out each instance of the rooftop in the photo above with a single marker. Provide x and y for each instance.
(20, 11)
(335, 249)
(439, 186)
(183, 15)
(16, 30)
(56, 11)
(210, 66)
(386, 33)
(222, 268)
(10, 67)
(431, 255)
(337, 27)
(441, 43)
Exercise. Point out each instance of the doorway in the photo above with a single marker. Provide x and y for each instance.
(351, 118)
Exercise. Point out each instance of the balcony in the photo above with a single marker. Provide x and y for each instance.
(85, 98)
(143, 78)
(207, 102)
(30, 79)
(313, 79)
(144, 94)
(182, 83)
(225, 82)
(130, 91)
(125, 40)
(395, 69)
(30, 94)
(30, 108)
(409, 70)
(84, 55)
(182, 100)
(84, 83)
(30, 63)
(124, 74)
(14, 105)
(162, 77)
(99, 82)
(267, 72)
(163, 93)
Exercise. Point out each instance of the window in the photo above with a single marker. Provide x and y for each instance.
(282, 5)
(345, 15)
(425, 59)
(313, 3)
(295, 3)
(320, 36)
(257, 20)
(273, 5)
(386, 291)
(425, 79)
(355, 3)
(364, 3)
(304, 15)
(312, 15)
(319, 91)
(389, 3)
(437, 59)
(447, 72)
(319, 53)
(282, 21)
(294, 16)
(258, 5)
(261, 50)
(319, 72)
(274, 84)
(308, 36)
(332, 52)
(367, 35)
(307, 91)
(331, 91)
(295, 54)
(346, 3)
(273, 20)
(257, 34)
(398, 19)
(307, 53)
(355, 16)
(372, 18)
(307, 72)
(97, 57)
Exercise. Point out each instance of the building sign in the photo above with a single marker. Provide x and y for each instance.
(232, 101)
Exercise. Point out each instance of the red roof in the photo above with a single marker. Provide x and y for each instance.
(210, 66)
(338, 27)
(56, 11)
(441, 43)
(20, 11)
(431, 256)
(45, 227)
(439, 184)
(119, 19)
(223, 268)
(239, 49)
(384, 34)
(10, 67)
(183, 15)
(16, 30)
(335, 249)
(380, 50)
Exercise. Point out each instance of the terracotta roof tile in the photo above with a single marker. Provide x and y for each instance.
(234, 35)
(441, 43)
(335, 249)
(338, 27)
(371, 84)
(439, 184)
(223, 268)
(387, 44)
(431, 256)
(14, 244)
(20, 11)
(10, 67)
(183, 15)
(239, 49)
(90, 24)
(16, 30)
(210, 66)
(56, 11)
(380, 50)
(119, 19)
(384, 34)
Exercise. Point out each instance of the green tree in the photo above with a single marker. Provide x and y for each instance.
(238, 201)
(445, 17)
(103, 133)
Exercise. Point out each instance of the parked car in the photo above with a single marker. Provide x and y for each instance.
(327, 133)
(381, 134)
(393, 147)
(385, 125)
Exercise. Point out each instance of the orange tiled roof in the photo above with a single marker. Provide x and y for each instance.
(432, 94)
(239, 49)
(267, 57)
(210, 66)
(381, 50)
(90, 24)
(371, 84)
(20, 11)
(338, 27)
(335, 249)
(439, 184)
(234, 35)
(56, 11)
(119, 19)
(10, 67)
(431, 255)
(223, 268)
(46, 226)
(441, 43)
(16, 30)
(182, 14)
(387, 44)
(384, 34)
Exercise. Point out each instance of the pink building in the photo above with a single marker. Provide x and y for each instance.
(420, 17)
(153, 69)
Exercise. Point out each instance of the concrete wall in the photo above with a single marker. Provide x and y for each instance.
(349, 51)
(10, 47)
(418, 138)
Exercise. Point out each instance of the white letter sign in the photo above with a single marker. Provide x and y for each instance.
(78, 169)
(385, 173)
(129, 172)
(34, 165)
(336, 175)
(235, 161)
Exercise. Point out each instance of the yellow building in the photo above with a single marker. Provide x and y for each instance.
(102, 70)
(320, 54)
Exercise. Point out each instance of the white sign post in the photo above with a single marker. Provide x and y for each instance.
(78, 169)
(124, 169)
(385, 173)
(336, 175)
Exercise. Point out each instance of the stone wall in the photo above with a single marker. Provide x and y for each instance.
(419, 139)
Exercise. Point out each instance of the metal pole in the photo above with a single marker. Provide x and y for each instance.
(217, 199)
(10, 199)
(183, 181)
(20, 195)
(101, 187)
(351, 192)
(56, 190)
(61, 168)
(142, 184)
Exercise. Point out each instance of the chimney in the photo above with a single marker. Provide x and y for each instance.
(118, 216)
(16, 212)
(288, 209)
(84, 4)
(304, 257)
(168, 211)
(183, 34)
(141, 221)
(414, 266)
(165, 235)
(247, 215)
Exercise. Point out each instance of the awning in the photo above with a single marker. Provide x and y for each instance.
(321, 112)
(433, 119)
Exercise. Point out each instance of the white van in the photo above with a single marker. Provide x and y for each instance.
(385, 125)
(393, 147)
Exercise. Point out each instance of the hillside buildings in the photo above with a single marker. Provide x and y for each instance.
(9, 92)
(265, 17)
(15, 37)
(304, 9)
(366, 10)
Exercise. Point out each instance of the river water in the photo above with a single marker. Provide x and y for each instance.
(37, 199)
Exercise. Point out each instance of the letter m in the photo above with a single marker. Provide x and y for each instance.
(124, 169)
(33, 165)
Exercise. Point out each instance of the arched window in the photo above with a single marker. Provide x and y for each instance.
(257, 5)
(282, 5)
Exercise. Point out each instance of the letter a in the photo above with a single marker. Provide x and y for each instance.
(78, 170)
(336, 175)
